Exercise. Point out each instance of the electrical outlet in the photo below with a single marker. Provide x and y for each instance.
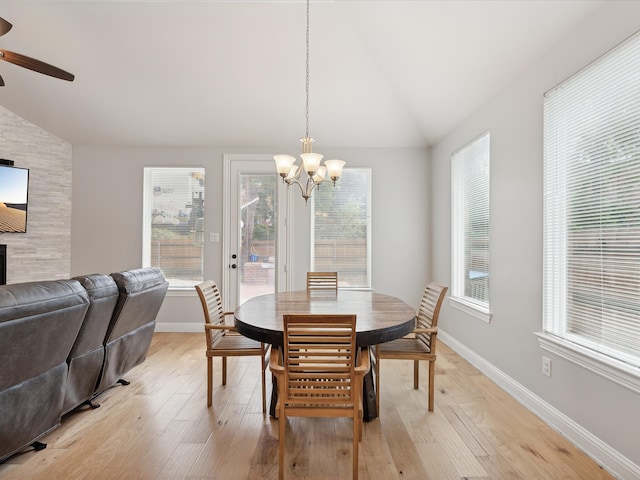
(546, 366)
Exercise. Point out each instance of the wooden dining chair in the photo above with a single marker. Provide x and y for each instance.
(223, 340)
(420, 345)
(322, 281)
(317, 375)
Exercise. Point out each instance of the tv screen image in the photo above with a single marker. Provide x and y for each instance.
(14, 187)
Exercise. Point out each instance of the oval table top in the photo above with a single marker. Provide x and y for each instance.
(380, 318)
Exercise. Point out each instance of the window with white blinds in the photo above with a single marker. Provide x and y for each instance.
(470, 223)
(341, 228)
(592, 207)
(173, 223)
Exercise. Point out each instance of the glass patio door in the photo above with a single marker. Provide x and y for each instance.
(254, 246)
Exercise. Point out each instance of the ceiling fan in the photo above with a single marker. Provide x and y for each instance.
(28, 62)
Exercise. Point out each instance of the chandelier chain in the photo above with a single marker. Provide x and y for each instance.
(310, 166)
(307, 79)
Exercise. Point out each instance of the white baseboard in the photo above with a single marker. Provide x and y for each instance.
(610, 459)
(180, 327)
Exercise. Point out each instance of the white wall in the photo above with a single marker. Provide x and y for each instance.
(107, 212)
(43, 253)
(607, 424)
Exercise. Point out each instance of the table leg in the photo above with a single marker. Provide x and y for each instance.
(274, 396)
(369, 404)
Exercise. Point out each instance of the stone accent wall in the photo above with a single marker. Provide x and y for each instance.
(44, 252)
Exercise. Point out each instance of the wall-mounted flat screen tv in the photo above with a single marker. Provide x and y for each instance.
(14, 189)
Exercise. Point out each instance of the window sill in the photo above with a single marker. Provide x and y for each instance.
(470, 308)
(603, 365)
(181, 292)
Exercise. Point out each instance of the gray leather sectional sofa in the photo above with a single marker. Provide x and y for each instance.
(63, 342)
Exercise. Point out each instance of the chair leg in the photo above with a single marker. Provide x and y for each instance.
(263, 366)
(209, 381)
(360, 414)
(282, 420)
(431, 384)
(224, 370)
(416, 374)
(377, 372)
(356, 441)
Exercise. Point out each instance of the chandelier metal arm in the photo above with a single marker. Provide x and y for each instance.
(307, 189)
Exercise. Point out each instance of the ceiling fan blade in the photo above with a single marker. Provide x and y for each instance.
(4, 26)
(35, 65)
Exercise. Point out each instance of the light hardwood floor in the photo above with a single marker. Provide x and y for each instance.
(160, 428)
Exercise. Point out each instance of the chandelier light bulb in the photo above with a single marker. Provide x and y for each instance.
(311, 162)
(294, 173)
(283, 164)
(334, 168)
(319, 177)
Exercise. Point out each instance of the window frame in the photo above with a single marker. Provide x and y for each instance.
(556, 337)
(174, 290)
(458, 299)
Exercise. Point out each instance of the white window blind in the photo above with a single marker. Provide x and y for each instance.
(341, 225)
(173, 223)
(592, 206)
(470, 212)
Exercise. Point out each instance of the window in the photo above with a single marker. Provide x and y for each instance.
(173, 223)
(592, 210)
(341, 228)
(470, 224)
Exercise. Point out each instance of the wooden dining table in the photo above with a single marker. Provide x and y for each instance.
(379, 318)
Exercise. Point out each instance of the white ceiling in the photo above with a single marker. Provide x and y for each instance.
(232, 72)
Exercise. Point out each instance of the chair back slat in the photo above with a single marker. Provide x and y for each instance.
(322, 281)
(213, 310)
(319, 359)
(429, 311)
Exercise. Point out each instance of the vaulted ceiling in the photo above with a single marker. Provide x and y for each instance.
(232, 72)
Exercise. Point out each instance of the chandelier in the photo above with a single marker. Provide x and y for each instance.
(315, 172)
